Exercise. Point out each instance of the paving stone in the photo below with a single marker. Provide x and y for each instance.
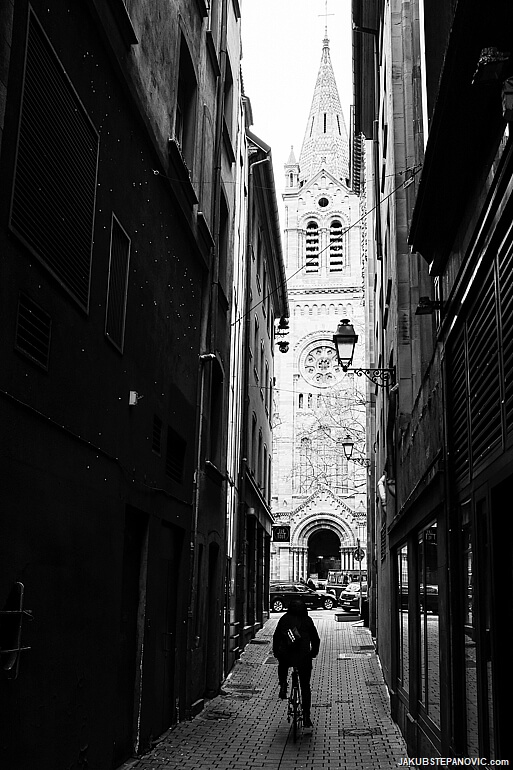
(246, 726)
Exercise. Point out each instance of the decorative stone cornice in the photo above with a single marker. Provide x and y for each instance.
(322, 290)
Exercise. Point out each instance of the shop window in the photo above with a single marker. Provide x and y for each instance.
(429, 653)
(470, 636)
(403, 667)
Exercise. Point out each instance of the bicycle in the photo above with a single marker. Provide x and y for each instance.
(295, 707)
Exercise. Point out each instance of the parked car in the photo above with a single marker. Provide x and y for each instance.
(281, 594)
(349, 598)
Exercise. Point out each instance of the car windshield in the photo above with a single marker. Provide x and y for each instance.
(353, 587)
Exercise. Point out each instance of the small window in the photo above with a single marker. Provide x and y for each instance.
(228, 99)
(117, 287)
(216, 415)
(175, 455)
(156, 441)
(185, 116)
(224, 232)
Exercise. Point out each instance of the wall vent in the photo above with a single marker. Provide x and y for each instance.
(52, 209)
(33, 331)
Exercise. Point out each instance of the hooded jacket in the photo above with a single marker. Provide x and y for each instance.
(295, 639)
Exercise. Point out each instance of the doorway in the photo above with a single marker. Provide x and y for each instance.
(323, 553)
(166, 587)
(134, 555)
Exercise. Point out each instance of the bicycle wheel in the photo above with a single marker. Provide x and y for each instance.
(297, 712)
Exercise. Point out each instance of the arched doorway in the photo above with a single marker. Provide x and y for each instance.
(323, 552)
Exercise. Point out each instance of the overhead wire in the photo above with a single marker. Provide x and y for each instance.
(414, 171)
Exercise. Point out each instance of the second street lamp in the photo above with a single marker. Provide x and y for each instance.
(347, 446)
(345, 340)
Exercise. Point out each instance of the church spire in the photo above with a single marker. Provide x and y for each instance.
(325, 145)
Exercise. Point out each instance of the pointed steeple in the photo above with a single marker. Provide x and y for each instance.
(292, 158)
(325, 145)
(291, 170)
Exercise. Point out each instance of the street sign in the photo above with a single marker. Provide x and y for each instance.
(281, 534)
(358, 554)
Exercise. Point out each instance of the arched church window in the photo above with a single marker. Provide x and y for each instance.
(336, 247)
(291, 180)
(312, 247)
(305, 465)
(300, 401)
(310, 401)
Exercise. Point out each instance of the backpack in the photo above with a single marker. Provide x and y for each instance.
(290, 641)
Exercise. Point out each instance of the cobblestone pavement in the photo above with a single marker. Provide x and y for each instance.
(246, 725)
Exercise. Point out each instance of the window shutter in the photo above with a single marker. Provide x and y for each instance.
(484, 374)
(53, 201)
(506, 316)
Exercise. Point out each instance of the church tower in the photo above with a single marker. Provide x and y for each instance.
(319, 497)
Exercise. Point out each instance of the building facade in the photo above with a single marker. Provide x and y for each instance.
(119, 228)
(262, 290)
(319, 497)
(440, 301)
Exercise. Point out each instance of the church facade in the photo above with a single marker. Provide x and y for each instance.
(319, 495)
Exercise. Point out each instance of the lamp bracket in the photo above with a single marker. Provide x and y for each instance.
(380, 377)
(363, 461)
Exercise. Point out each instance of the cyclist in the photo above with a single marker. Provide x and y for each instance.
(295, 643)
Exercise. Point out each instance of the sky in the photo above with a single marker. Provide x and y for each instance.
(281, 54)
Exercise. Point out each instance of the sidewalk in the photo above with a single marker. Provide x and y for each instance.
(246, 725)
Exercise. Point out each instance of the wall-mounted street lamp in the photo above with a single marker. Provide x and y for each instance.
(345, 340)
(282, 331)
(348, 446)
(427, 306)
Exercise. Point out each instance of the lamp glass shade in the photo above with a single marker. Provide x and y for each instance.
(347, 446)
(345, 340)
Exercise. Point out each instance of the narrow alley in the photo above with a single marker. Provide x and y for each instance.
(246, 725)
